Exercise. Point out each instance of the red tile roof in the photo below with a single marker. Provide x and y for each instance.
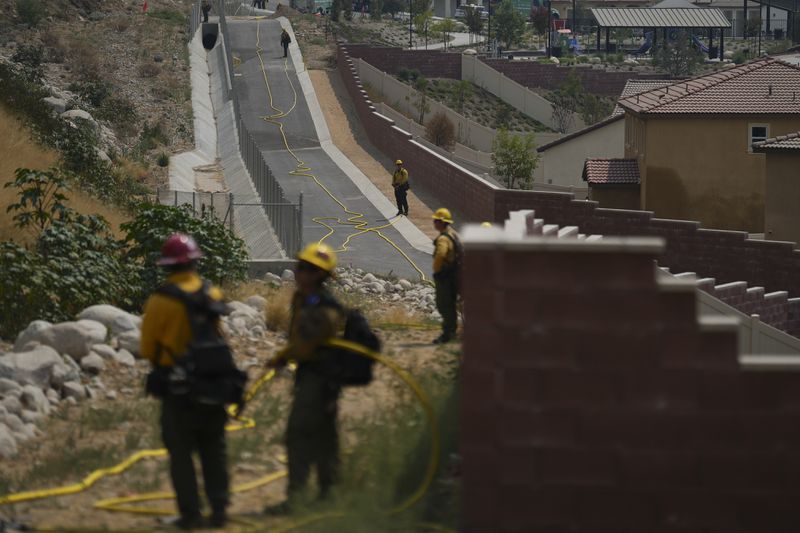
(633, 87)
(764, 86)
(790, 141)
(611, 172)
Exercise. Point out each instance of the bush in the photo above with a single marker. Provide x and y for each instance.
(739, 57)
(84, 59)
(408, 75)
(30, 12)
(149, 70)
(121, 113)
(440, 131)
(151, 137)
(92, 90)
(225, 255)
(163, 159)
(30, 57)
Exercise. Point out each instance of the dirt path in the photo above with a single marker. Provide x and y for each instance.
(350, 137)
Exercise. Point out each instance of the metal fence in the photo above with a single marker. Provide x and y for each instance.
(194, 19)
(286, 217)
(218, 205)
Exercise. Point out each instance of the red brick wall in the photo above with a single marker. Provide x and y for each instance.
(550, 77)
(724, 255)
(430, 63)
(577, 419)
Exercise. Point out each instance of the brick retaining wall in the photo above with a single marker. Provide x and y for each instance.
(430, 63)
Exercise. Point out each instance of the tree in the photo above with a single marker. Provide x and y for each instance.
(347, 9)
(539, 19)
(594, 109)
(30, 11)
(473, 19)
(41, 199)
(679, 58)
(566, 100)
(336, 9)
(421, 21)
(502, 115)
(515, 158)
(461, 92)
(376, 9)
(440, 131)
(421, 101)
(445, 27)
(393, 7)
(509, 23)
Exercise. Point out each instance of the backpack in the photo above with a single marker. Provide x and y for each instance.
(454, 268)
(349, 368)
(206, 372)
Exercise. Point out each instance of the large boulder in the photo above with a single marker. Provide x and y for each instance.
(74, 338)
(124, 357)
(35, 400)
(130, 340)
(104, 350)
(31, 334)
(111, 317)
(257, 302)
(76, 115)
(34, 367)
(93, 363)
(12, 405)
(74, 389)
(59, 105)
(7, 385)
(8, 446)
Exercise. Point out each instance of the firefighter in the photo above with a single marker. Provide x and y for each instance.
(285, 41)
(446, 266)
(312, 439)
(401, 186)
(186, 424)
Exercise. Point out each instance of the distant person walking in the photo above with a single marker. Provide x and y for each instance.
(285, 40)
(206, 7)
(401, 186)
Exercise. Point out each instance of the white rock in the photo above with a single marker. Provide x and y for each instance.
(8, 446)
(30, 334)
(29, 430)
(111, 395)
(130, 340)
(257, 302)
(92, 393)
(105, 314)
(7, 385)
(3, 411)
(73, 338)
(53, 397)
(269, 277)
(239, 325)
(405, 284)
(377, 287)
(33, 367)
(93, 363)
(74, 115)
(71, 401)
(34, 399)
(369, 278)
(59, 105)
(257, 331)
(287, 275)
(124, 357)
(13, 405)
(73, 389)
(14, 422)
(31, 417)
(104, 350)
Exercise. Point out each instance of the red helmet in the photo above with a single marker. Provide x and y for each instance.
(179, 249)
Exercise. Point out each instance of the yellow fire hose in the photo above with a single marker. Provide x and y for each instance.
(126, 503)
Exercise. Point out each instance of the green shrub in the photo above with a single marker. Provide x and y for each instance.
(92, 90)
(151, 137)
(163, 159)
(225, 255)
(408, 75)
(120, 112)
(30, 12)
(31, 57)
(171, 15)
(739, 57)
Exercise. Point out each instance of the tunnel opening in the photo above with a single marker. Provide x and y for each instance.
(210, 34)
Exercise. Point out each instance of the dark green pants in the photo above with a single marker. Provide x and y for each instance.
(189, 427)
(446, 298)
(312, 439)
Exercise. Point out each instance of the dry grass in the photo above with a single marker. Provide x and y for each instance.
(19, 151)
(278, 309)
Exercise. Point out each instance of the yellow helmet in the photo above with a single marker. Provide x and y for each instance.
(444, 215)
(398, 162)
(486, 224)
(319, 255)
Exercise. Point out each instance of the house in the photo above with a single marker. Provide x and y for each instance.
(693, 141)
(613, 182)
(782, 197)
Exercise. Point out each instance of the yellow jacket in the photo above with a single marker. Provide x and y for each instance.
(400, 177)
(444, 251)
(165, 326)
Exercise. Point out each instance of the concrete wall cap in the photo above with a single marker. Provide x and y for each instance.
(713, 323)
(770, 363)
(478, 238)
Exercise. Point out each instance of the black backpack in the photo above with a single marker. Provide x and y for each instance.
(454, 268)
(206, 373)
(347, 367)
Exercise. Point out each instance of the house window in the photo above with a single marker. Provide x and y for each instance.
(757, 132)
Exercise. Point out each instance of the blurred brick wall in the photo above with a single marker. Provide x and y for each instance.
(430, 63)
(592, 401)
(725, 255)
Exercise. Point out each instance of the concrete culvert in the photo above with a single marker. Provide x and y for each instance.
(210, 33)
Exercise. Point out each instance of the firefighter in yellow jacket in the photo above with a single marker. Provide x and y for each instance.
(186, 426)
(401, 186)
(446, 266)
(312, 439)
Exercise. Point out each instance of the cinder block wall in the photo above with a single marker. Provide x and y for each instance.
(430, 63)
(593, 401)
(725, 255)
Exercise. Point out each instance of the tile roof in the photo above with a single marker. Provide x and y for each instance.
(764, 86)
(790, 141)
(669, 17)
(579, 133)
(611, 172)
(633, 87)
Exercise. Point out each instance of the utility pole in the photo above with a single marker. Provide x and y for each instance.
(410, 45)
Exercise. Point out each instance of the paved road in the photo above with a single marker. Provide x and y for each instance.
(368, 251)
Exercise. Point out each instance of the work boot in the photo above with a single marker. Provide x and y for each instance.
(188, 523)
(219, 519)
(399, 213)
(443, 338)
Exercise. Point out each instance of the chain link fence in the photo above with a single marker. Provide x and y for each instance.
(204, 204)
